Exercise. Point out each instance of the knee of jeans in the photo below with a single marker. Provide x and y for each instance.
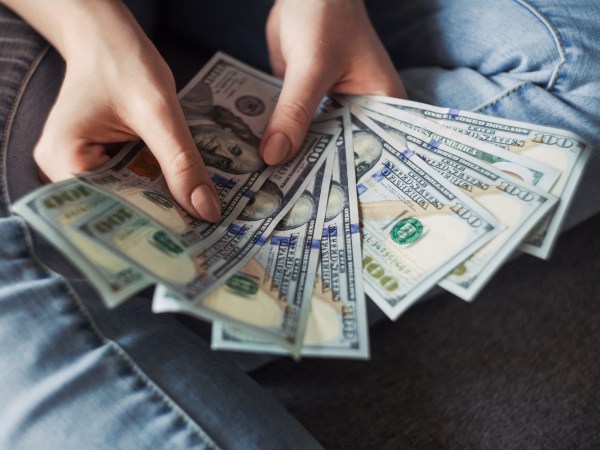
(537, 42)
(509, 42)
(519, 44)
(564, 57)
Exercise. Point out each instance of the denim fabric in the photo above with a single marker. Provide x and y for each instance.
(533, 61)
(74, 374)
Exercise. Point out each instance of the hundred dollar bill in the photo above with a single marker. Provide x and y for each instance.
(557, 148)
(53, 209)
(227, 106)
(416, 226)
(337, 323)
(272, 292)
(519, 206)
(191, 274)
(525, 169)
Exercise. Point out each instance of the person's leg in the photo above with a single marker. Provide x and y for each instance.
(74, 374)
(532, 61)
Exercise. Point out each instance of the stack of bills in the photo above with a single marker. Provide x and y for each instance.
(386, 198)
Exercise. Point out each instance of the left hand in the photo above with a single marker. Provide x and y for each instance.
(320, 46)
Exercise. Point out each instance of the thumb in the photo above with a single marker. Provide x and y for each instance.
(304, 87)
(171, 142)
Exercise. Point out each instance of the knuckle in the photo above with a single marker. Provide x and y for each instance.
(41, 155)
(295, 112)
(49, 151)
(185, 161)
(53, 164)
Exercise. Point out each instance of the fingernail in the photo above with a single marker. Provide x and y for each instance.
(206, 203)
(277, 149)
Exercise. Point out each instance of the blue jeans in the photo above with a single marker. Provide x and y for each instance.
(75, 375)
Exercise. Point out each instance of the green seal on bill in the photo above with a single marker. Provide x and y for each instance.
(242, 285)
(164, 243)
(407, 231)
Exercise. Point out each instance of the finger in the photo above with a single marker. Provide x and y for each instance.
(377, 77)
(168, 137)
(368, 83)
(273, 42)
(71, 144)
(60, 155)
(304, 87)
(372, 72)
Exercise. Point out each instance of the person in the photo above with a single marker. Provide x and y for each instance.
(118, 78)
(146, 380)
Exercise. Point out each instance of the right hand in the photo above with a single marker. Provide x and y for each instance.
(118, 88)
(316, 47)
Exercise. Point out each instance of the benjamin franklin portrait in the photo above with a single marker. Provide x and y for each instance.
(266, 202)
(336, 201)
(227, 143)
(302, 211)
(367, 151)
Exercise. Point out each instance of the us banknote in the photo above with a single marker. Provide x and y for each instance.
(517, 205)
(560, 149)
(53, 209)
(191, 274)
(272, 293)
(416, 226)
(525, 169)
(227, 106)
(337, 323)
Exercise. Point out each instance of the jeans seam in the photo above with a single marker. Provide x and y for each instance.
(557, 41)
(555, 73)
(9, 121)
(119, 351)
(499, 97)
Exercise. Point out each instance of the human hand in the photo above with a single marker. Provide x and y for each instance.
(118, 88)
(319, 46)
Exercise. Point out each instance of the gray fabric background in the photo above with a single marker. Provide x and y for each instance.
(517, 369)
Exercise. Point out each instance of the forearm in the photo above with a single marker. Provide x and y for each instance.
(69, 24)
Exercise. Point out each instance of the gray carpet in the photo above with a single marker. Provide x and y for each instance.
(518, 368)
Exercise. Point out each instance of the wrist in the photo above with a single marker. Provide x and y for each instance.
(89, 24)
(75, 26)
